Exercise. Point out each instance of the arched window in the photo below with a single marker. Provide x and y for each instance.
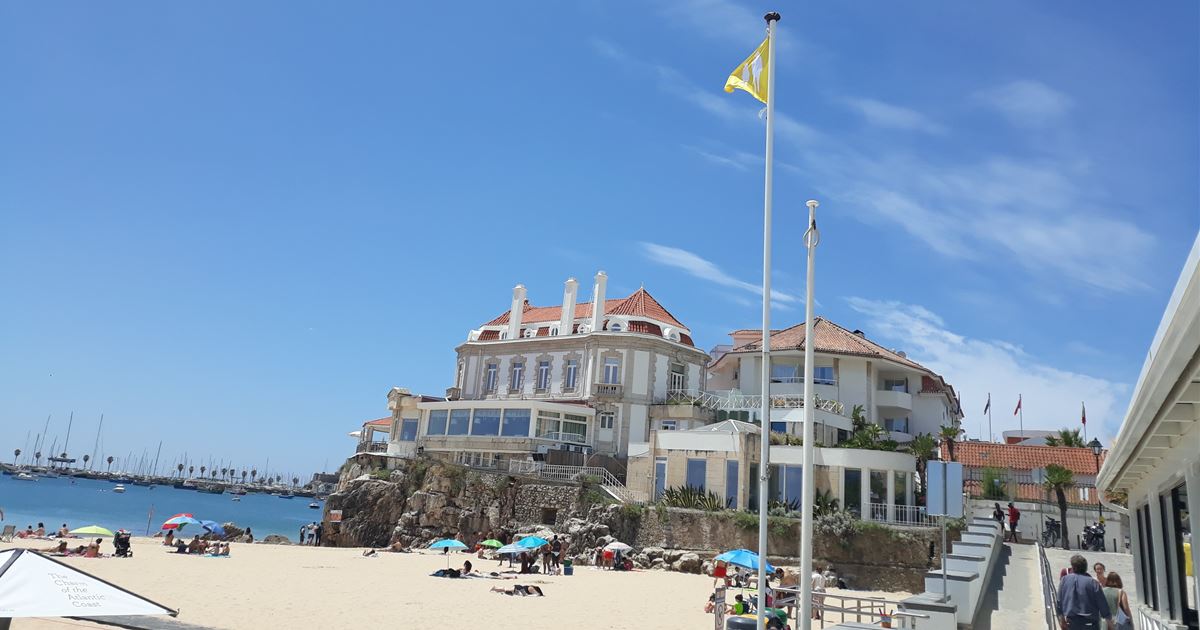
(614, 327)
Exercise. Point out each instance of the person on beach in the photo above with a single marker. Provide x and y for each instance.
(818, 586)
(555, 551)
(467, 568)
(169, 539)
(40, 532)
(93, 550)
(249, 535)
(303, 533)
(64, 531)
(1118, 602)
(320, 529)
(739, 606)
(519, 590)
(197, 545)
(28, 533)
(61, 547)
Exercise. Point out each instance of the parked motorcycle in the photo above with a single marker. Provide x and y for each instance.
(1093, 537)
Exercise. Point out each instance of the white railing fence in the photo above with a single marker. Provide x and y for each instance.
(577, 474)
(732, 401)
(907, 515)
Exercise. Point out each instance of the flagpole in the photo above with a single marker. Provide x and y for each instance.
(1021, 408)
(811, 238)
(991, 435)
(764, 463)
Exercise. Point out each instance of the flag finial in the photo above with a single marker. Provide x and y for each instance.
(773, 16)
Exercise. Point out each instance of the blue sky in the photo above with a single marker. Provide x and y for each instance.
(233, 227)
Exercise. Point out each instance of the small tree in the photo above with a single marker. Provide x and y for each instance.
(253, 474)
(86, 459)
(295, 481)
(202, 469)
(923, 447)
(1060, 480)
(1066, 437)
(244, 476)
(949, 435)
(110, 461)
(16, 454)
(993, 483)
(37, 458)
(179, 467)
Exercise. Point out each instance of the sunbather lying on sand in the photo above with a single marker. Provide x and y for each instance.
(394, 547)
(520, 590)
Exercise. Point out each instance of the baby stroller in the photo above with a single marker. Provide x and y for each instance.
(121, 545)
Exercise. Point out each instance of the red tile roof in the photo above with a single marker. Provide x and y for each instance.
(1080, 461)
(382, 422)
(640, 304)
(1037, 492)
(829, 338)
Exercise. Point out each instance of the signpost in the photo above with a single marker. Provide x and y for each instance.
(719, 608)
(944, 498)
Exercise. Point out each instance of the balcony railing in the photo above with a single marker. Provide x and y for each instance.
(372, 447)
(607, 390)
(910, 515)
(734, 401)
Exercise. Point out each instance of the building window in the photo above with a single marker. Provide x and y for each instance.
(572, 371)
(612, 371)
(458, 378)
(852, 500)
(517, 377)
(779, 427)
(408, 430)
(895, 385)
(486, 422)
(784, 373)
(554, 331)
(696, 471)
(793, 479)
(566, 427)
(489, 383)
(900, 425)
(516, 423)
(1180, 518)
(606, 420)
(460, 422)
(731, 483)
(823, 375)
(543, 375)
(660, 477)
(437, 422)
(615, 327)
(504, 334)
(678, 381)
(668, 425)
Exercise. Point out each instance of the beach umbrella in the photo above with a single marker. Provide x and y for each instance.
(617, 545)
(179, 520)
(742, 558)
(92, 530)
(532, 542)
(448, 543)
(510, 550)
(213, 527)
(492, 542)
(33, 585)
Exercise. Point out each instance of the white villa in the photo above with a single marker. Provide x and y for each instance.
(578, 377)
(1155, 459)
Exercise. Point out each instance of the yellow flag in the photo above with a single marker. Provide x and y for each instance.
(751, 75)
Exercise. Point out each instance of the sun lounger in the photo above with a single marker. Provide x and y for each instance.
(8, 533)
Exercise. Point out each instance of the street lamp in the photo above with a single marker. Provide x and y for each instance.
(1096, 448)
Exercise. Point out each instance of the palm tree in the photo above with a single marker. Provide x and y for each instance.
(110, 461)
(86, 458)
(1059, 480)
(224, 472)
(16, 454)
(179, 467)
(949, 435)
(858, 418)
(253, 474)
(924, 447)
(295, 480)
(37, 458)
(191, 471)
(1066, 437)
(243, 476)
(202, 469)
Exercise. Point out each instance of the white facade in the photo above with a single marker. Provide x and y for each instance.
(1155, 459)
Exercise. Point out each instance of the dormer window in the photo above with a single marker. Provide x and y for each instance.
(530, 333)
(554, 331)
(614, 327)
(504, 334)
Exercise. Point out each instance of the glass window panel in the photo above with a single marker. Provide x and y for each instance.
(752, 503)
(437, 422)
(572, 369)
(774, 485)
(516, 423)
(793, 482)
(731, 483)
(486, 422)
(696, 469)
(823, 375)
(574, 431)
(899, 496)
(408, 430)
(852, 497)
(784, 372)
(460, 422)
(612, 371)
(660, 477)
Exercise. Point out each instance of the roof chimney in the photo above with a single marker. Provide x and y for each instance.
(598, 301)
(566, 322)
(860, 333)
(515, 313)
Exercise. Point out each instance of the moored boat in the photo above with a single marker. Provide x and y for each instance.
(24, 476)
(118, 488)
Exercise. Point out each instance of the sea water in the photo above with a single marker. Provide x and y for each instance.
(142, 510)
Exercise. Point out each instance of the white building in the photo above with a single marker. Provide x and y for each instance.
(580, 376)
(900, 395)
(1156, 459)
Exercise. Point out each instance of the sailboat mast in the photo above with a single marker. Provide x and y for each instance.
(68, 440)
(156, 454)
(97, 444)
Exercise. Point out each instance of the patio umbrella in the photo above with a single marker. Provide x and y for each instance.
(213, 527)
(532, 542)
(448, 543)
(617, 545)
(92, 530)
(493, 543)
(33, 585)
(510, 550)
(743, 558)
(179, 520)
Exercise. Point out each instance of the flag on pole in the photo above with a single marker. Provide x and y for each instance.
(988, 406)
(1083, 414)
(1018, 409)
(752, 75)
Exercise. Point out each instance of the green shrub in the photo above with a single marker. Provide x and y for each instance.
(841, 526)
(692, 498)
(632, 511)
(993, 486)
(381, 474)
(745, 520)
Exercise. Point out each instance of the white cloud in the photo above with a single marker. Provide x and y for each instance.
(739, 160)
(891, 116)
(1025, 102)
(975, 367)
(708, 270)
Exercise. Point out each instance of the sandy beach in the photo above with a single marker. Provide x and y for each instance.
(271, 586)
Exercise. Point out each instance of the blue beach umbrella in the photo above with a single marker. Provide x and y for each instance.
(510, 550)
(532, 542)
(213, 527)
(448, 543)
(743, 558)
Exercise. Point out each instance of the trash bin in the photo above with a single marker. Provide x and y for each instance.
(748, 622)
(568, 568)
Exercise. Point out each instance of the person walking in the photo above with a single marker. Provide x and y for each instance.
(998, 514)
(303, 533)
(1118, 602)
(1098, 570)
(320, 529)
(1081, 601)
(1014, 517)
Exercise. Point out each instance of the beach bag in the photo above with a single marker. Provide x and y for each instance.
(1123, 621)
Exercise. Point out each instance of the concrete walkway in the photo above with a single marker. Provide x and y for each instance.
(1013, 598)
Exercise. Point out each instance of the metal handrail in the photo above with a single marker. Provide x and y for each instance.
(1049, 594)
(875, 608)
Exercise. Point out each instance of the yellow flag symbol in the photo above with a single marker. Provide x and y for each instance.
(751, 75)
